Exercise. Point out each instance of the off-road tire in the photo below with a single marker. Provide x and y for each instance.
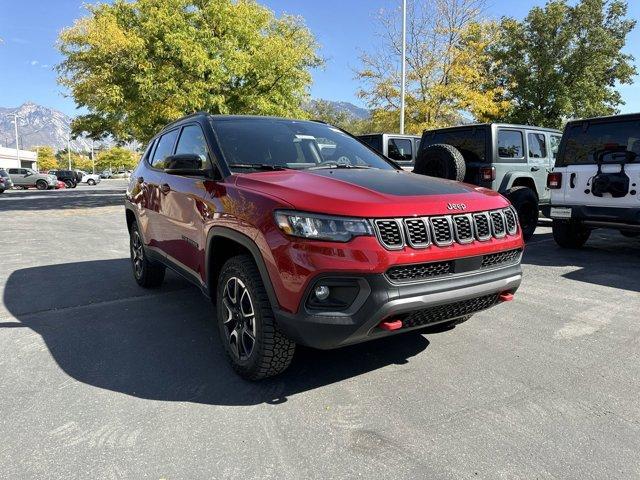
(442, 161)
(68, 183)
(570, 234)
(149, 274)
(272, 352)
(91, 182)
(525, 201)
(42, 185)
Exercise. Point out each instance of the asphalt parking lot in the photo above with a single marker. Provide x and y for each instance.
(101, 379)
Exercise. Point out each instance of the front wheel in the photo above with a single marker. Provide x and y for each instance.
(570, 234)
(91, 182)
(525, 201)
(146, 273)
(253, 344)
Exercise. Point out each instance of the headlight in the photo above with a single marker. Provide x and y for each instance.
(322, 227)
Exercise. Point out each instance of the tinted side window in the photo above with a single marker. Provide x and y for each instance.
(374, 141)
(192, 141)
(554, 144)
(510, 144)
(400, 149)
(607, 142)
(164, 148)
(13, 171)
(537, 145)
(471, 142)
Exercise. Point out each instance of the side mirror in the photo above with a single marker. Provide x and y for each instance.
(185, 164)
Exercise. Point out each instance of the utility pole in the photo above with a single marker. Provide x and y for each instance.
(93, 162)
(403, 67)
(15, 123)
(69, 149)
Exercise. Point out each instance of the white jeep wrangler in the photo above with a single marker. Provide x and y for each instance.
(596, 179)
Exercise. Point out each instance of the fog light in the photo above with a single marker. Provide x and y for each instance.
(321, 292)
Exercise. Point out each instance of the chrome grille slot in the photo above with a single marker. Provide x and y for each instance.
(511, 221)
(498, 224)
(441, 230)
(463, 227)
(417, 232)
(389, 233)
(482, 226)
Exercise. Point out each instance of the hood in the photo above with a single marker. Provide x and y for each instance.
(370, 192)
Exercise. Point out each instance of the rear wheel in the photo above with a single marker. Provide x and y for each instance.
(41, 185)
(253, 344)
(570, 234)
(442, 161)
(91, 182)
(525, 201)
(68, 183)
(146, 273)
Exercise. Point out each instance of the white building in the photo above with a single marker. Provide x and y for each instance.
(9, 158)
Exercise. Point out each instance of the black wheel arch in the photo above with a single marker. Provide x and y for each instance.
(231, 242)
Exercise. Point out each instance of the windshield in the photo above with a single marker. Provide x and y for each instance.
(607, 142)
(268, 143)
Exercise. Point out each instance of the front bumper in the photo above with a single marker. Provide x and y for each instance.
(434, 301)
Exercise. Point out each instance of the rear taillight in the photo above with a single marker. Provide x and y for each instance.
(554, 180)
(487, 174)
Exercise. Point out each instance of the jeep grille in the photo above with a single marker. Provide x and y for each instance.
(443, 230)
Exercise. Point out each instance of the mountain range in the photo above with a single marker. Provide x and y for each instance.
(40, 125)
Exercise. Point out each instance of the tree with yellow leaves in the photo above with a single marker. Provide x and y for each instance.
(448, 67)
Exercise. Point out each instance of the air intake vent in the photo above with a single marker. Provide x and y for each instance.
(498, 224)
(389, 234)
(463, 227)
(417, 232)
(417, 272)
(442, 232)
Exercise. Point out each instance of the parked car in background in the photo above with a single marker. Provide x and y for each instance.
(596, 180)
(511, 159)
(89, 178)
(67, 176)
(402, 149)
(106, 174)
(28, 178)
(60, 184)
(5, 181)
(296, 247)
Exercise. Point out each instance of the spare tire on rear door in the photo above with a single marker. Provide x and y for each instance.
(441, 160)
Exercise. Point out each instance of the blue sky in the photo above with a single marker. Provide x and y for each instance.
(344, 28)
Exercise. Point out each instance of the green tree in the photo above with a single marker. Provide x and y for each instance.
(116, 158)
(564, 61)
(46, 158)
(136, 65)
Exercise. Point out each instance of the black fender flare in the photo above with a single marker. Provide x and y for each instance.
(251, 246)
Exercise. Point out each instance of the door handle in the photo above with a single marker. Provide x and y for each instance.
(535, 169)
(572, 180)
(165, 188)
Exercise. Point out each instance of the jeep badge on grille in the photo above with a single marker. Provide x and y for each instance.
(456, 206)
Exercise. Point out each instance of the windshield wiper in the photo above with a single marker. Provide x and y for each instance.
(258, 166)
(342, 165)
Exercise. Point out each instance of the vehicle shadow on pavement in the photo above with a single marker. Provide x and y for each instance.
(105, 331)
(607, 258)
(34, 200)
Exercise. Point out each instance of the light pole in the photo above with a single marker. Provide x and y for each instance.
(15, 123)
(93, 162)
(403, 67)
(69, 149)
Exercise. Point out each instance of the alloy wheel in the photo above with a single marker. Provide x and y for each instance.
(137, 254)
(239, 320)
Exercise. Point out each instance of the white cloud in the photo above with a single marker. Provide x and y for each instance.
(34, 62)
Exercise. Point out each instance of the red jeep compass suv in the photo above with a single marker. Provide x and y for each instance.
(302, 234)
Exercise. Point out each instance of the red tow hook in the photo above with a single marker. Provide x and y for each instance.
(391, 325)
(505, 297)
